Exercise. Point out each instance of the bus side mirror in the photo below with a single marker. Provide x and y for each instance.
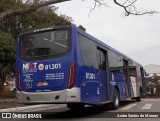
(145, 73)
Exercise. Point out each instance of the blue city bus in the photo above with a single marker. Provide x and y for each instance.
(66, 65)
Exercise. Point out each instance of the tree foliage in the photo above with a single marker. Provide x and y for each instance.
(41, 18)
(7, 55)
(7, 49)
(82, 27)
(27, 8)
(17, 24)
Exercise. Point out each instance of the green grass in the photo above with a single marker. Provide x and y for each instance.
(10, 95)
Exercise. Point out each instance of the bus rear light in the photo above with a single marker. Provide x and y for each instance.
(18, 80)
(71, 75)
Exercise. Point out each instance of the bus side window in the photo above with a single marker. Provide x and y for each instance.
(101, 59)
(88, 51)
(132, 71)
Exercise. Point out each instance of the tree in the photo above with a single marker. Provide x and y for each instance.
(82, 27)
(41, 18)
(14, 25)
(7, 55)
(27, 8)
(128, 6)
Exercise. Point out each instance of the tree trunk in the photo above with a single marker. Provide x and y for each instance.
(3, 74)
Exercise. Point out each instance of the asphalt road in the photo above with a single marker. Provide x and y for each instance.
(131, 109)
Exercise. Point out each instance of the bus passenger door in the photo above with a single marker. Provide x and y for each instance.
(126, 79)
(142, 81)
(103, 74)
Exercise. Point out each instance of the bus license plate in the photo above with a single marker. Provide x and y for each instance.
(42, 83)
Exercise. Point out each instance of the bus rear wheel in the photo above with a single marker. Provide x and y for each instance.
(75, 106)
(139, 98)
(116, 100)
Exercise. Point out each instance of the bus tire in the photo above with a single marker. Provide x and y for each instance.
(139, 98)
(116, 99)
(75, 106)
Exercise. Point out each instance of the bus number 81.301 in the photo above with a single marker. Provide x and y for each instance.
(52, 66)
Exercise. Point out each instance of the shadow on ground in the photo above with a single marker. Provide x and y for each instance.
(87, 112)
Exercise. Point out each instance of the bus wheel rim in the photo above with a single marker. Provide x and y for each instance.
(116, 100)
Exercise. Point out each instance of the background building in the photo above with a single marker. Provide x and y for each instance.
(152, 69)
(152, 80)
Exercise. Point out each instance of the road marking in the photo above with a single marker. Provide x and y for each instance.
(128, 107)
(147, 106)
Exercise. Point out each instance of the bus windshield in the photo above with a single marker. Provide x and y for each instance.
(44, 44)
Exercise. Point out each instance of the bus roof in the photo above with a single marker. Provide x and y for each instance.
(84, 33)
(104, 44)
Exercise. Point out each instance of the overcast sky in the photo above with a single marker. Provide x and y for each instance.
(136, 36)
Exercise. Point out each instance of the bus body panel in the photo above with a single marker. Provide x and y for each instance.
(47, 77)
(62, 96)
(89, 83)
(52, 78)
(117, 80)
(90, 86)
(93, 81)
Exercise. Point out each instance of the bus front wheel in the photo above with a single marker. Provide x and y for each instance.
(116, 100)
